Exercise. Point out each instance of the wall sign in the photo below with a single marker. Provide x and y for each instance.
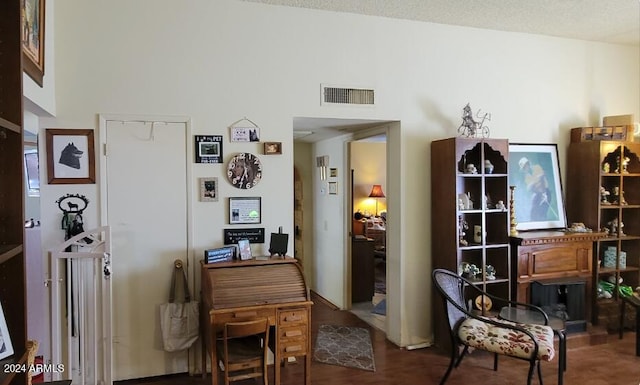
(254, 235)
(208, 148)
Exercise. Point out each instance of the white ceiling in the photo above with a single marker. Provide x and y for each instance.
(607, 21)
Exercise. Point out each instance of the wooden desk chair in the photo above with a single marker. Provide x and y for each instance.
(530, 342)
(243, 350)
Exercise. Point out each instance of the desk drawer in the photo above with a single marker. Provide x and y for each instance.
(244, 315)
(293, 317)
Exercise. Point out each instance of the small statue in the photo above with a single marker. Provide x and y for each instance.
(461, 232)
(500, 206)
(603, 196)
(490, 272)
(606, 167)
(618, 196)
(623, 164)
(488, 167)
(471, 169)
(614, 226)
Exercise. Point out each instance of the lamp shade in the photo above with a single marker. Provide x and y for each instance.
(376, 192)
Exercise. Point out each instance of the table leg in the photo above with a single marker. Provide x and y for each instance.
(637, 331)
(622, 310)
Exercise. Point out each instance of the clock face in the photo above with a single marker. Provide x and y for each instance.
(244, 170)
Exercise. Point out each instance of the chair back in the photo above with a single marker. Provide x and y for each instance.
(246, 328)
(451, 287)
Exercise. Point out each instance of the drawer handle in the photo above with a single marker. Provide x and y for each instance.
(245, 314)
(292, 318)
(295, 348)
(293, 333)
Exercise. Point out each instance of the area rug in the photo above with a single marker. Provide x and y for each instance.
(380, 308)
(348, 346)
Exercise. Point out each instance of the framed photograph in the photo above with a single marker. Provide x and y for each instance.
(208, 148)
(244, 249)
(32, 23)
(70, 156)
(6, 348)
(244, 210)
(333, 188)
(333, 172)
(272, 148)
(208, 189)
(245, 134)
(534, 171)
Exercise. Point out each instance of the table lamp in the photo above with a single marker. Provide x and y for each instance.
(376, 192)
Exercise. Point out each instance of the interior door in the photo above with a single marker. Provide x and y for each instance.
(146, 203)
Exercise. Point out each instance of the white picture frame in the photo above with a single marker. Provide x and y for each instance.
(208, 189)
(244, 210)
(245, 134)
(6, 348)
(244, 249)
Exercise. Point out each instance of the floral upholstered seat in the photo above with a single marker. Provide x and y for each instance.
(485, 336)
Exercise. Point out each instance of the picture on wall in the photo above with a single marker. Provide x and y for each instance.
(6, 348)
(32, 26)
(208, 189)
(535, 173)
(244, 210)
(70, 156)
(208, 148)
(245, 134)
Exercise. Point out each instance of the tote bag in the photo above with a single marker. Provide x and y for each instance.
(179, 320)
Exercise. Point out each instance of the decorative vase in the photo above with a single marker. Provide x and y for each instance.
(622, 260)
(610, 257)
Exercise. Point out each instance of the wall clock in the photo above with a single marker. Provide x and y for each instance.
(244, 170)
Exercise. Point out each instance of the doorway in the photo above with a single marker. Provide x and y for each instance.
(329, 256)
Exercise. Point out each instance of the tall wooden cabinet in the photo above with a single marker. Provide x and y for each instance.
(604, 193)
(12, 266)
(470, 215)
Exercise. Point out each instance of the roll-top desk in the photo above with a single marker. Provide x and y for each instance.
(274, 289)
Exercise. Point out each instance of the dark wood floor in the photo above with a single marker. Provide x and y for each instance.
(611, 363)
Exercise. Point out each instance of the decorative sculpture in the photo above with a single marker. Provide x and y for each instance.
(472, 128)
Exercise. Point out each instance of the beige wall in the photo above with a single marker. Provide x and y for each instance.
(219, 61)
(369, 162)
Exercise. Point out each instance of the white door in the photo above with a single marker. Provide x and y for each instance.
(146, 190)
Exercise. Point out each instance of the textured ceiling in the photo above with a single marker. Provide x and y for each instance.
(609, 21)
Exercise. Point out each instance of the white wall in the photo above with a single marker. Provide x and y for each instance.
(217, 62)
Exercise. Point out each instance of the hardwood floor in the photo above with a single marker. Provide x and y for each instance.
(611, 363)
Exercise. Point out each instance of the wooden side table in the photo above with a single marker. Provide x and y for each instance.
(635, 302)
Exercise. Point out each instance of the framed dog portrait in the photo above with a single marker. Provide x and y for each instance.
(70, 156)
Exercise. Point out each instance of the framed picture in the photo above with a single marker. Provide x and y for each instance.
(6, 348)
(32, 23)
(535, 173)
(244, 249)
(245, 134)
(208, 148)
(244, 210)
(333, 188)
(272, 148)
(70, 156)
(208, 189)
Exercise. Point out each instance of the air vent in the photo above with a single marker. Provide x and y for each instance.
(346, 95)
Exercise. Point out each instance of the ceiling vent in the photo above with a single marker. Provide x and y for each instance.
(347, 96)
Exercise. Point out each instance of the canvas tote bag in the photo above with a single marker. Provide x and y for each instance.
(179, 320)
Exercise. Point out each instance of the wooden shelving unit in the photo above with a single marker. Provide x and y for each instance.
(12, 266)
(455, 241)
(596, 164)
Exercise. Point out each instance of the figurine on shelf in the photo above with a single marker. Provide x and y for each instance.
(490, 272)
(606, 167)
(462, 233)
(471, 169)
(623, 164)
(488, 167)
(614, 226)
(603, 196)
(500, 206)
(618, 196)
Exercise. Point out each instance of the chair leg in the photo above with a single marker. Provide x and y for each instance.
(454, 348)
(532, 365)
(495, 362)
(461, 356)
(540, 373)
